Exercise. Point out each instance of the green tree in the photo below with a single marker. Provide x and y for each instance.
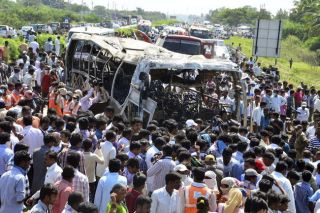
(282, 14)
(100, 11)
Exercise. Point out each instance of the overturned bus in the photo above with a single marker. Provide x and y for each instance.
(146, 80)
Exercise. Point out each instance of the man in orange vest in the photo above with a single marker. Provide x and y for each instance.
(190, 194)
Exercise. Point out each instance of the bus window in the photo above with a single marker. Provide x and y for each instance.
(77, 55)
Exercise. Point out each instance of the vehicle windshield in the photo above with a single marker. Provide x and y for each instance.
(183, 46)
(3, 28)
(200, 33)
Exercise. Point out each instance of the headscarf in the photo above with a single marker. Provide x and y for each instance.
(230, 182)
(212, 182)
(235, 201)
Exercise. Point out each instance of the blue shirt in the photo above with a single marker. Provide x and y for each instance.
(5, 155)
(12, 190)
(302, 193)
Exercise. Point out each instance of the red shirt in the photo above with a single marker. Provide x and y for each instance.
(298, 97)
(64, 190)
(131, 199)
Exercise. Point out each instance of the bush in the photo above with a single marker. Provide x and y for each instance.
(313, 43)
(293, 29)
(14, 47)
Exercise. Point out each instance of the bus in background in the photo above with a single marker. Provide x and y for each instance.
(199, 32)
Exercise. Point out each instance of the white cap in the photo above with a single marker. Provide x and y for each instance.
(180, 168)
(210, 174)
(191, 122)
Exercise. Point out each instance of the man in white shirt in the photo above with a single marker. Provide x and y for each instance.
(31, 136)
(276, 101)
(303, 112)
(108, 152)
(257, 114)
(53, 173)
(57, 45)
(166, 199)
(102, 196)
(34, 45)
(279, 175)
(29, 79)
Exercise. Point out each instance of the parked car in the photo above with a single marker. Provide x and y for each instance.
(7, 32)
(24, 30)
(42, 28)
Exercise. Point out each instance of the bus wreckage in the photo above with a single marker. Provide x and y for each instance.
(148, 81)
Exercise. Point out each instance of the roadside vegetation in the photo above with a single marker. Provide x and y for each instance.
(305, 68)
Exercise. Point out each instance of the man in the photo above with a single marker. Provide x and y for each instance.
(231, 168)
(190, 194)
(161, 168)
(57, 45)
(166, 199)
(314, 142)
(76, 143)
(39, 167)
(303, 112)
(16, 76)
(80, 181)
(48, 196)
(108, 151)
(74, 200)
(5, 153)
(13, 184)
(143, 204)
(257, 114)
(48, 45)
(53, 173)
(302, 193)
(139, 182)
(276, 101)
(268, 159)
(102, 197)
(279, 175)
(34, 45)
(31, 136)
(29, 79)
(136, 125)
(26, 111)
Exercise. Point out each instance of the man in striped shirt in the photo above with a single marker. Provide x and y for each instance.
(314, 143)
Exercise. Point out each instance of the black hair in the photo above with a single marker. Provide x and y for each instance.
(4, 137)
(48, 190)
(110, 135)
(87, 144)
(300, 165)
(281, 166)
(49, 138)
(59, 124)
(309, 167)
(75, 198)
(269, 156)
(159, 142)
(306, 176)
(139, 180)
(293, 175)
(172, 177)
(273, 198)
(27, 120)
(6, 126)
(265, 185)
(133, 162)
(12, 114)
(134, 145)
(184, 155)
(114, 165)
(52, 155)
(242, 146)
(73, 159)
(75, 139)
(126, 132)
(87, 207)
(68, 172)
(122, 156)
(83, 123)
(167, 150)
(249, 154)
(255, 204)
(202, 203)
(66, 133)
(20, 147)
(199, 174)
(136, 120)
(186, 144)
(20, 157)
(116, 188)
(71, 126)
(227, 152)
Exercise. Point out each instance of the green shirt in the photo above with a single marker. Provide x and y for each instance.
(121, 208)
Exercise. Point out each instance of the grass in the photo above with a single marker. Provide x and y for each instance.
(302, 69)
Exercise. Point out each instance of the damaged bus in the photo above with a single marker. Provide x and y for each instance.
(146, 80)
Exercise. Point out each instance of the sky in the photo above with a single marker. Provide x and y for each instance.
(188, 7)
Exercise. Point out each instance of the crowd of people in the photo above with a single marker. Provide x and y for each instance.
(58, 157)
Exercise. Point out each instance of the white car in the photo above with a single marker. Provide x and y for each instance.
(7, 32)
(25, 29)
